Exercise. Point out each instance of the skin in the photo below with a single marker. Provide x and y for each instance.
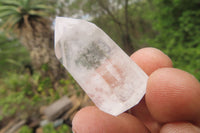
(171, 103)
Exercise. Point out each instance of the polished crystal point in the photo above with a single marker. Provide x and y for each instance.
(110, 78)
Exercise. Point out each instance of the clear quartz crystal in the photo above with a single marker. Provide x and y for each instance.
(110, 78)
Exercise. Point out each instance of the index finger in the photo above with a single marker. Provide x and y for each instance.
(151, 59)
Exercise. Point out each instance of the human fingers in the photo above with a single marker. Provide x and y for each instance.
(93, 120)
(180, 127)
(173, 95)
(149, 59)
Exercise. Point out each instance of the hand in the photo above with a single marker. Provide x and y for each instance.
(171, 103)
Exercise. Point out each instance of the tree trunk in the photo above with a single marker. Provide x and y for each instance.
(126, 38)
(127, 44)
(38, 38)
(123, 26)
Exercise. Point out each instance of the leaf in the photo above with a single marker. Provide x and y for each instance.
(10, 2)
(6, 14)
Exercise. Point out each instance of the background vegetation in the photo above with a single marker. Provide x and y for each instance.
(30, 75)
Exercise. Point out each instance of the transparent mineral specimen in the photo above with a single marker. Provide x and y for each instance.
(110, 78)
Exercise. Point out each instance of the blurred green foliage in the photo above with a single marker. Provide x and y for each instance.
(25, 129)
(13, 56)
(49, 128)
(25, 93)
(178, 25)
(17, 95)
(62, 129)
